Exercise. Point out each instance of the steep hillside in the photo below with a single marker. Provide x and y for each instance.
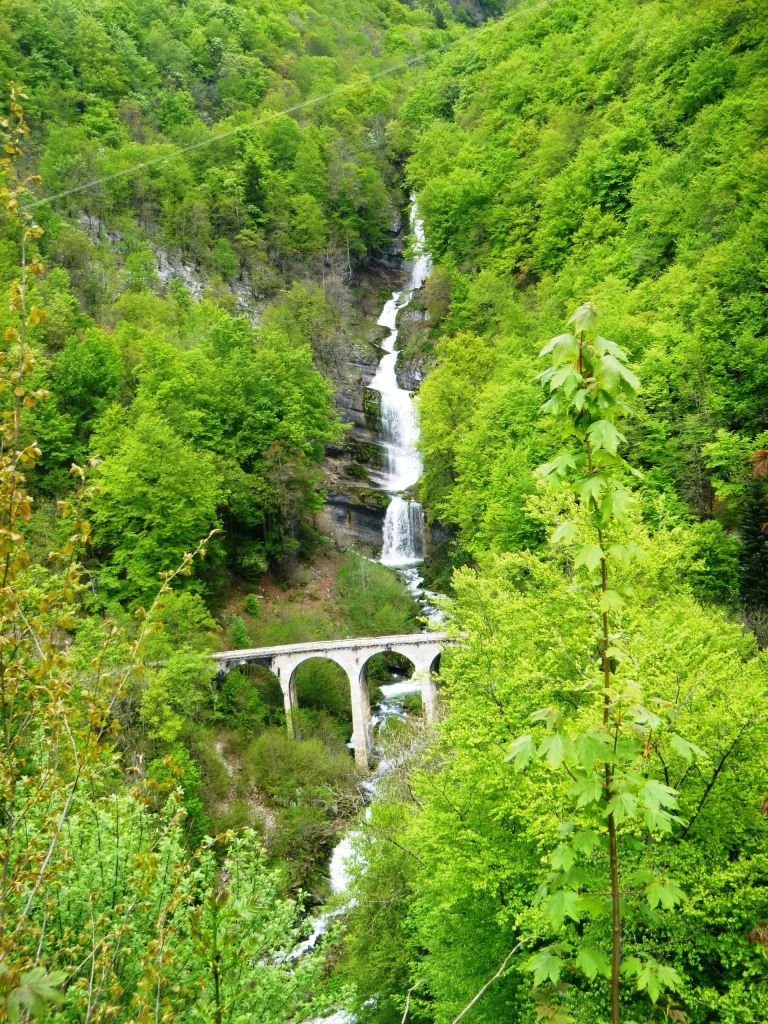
(159, 272)
(580, 836)
(583, 838)
(178, 304)
(615, 152)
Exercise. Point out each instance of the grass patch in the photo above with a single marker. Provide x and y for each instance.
(342, 595)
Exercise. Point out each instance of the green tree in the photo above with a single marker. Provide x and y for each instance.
(226, 931)
(224, 259)
(607, 171)
(96, 887)
(155, 496)
(590, 387)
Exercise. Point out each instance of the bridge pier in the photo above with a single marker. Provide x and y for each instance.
(361, 715)
(291, 705)
(430, 699)
(284, 666)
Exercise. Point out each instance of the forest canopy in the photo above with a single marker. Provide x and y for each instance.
(583, 838)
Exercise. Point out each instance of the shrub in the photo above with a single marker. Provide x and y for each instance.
(252, 604)
(177, 769)
(319, 725)
(322, 685)
(373, 599)
(290, 771)
(412, 703)
(238, 632)
(241, 703)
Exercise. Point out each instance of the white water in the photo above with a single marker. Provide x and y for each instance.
(403, 548)
(403, 537)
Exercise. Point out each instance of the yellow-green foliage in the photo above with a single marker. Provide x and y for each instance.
(463, 842)
(613, 152)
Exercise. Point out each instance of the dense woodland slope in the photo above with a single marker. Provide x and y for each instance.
(612, 152)
(172, 334)
(253, 224)
(590, 814)
(617, 152)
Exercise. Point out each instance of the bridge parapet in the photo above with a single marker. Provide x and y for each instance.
(352, 655)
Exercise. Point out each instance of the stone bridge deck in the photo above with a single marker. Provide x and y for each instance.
(352, 655)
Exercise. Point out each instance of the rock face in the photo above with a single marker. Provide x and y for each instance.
(169, 267)
(350, 397)
(353, 515)
(351, 523)
(355, 508)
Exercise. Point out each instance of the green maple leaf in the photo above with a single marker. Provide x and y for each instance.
(593, 747)
(36, 990)
(579, 399)
(655, 794)
(520, 752)
(585, 841)
(618, 499)
(611, 601)
(545, 966)
(622, 805)
(592, 962)
(555, 748)
(564, 346)
(606, 347)
(588, 790)
(604, 435)
(589, 555)
(584, 318)
(663, 892)
(565, 533)
(687, 750)
(590, 487)
(652, 977)
(563, 857)
(615, 366)
(565, 903)
(557, 468)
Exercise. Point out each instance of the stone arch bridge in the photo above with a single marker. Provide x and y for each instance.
(421, 649)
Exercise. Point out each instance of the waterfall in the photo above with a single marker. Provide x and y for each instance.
(403, 541)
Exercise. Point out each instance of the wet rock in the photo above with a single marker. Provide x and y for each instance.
(351, 523)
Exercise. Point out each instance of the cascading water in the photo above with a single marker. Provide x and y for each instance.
(403, 541)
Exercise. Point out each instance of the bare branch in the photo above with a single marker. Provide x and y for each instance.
(478, 995)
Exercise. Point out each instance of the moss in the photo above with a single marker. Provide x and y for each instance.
(412, 703)
(356, 471)
(372, 408)
(365, 452)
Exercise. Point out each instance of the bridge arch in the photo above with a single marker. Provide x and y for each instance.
(369, 678)
(320, 683)
(324, 656)
(247, 689)
(423, 658)
(420, 673)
